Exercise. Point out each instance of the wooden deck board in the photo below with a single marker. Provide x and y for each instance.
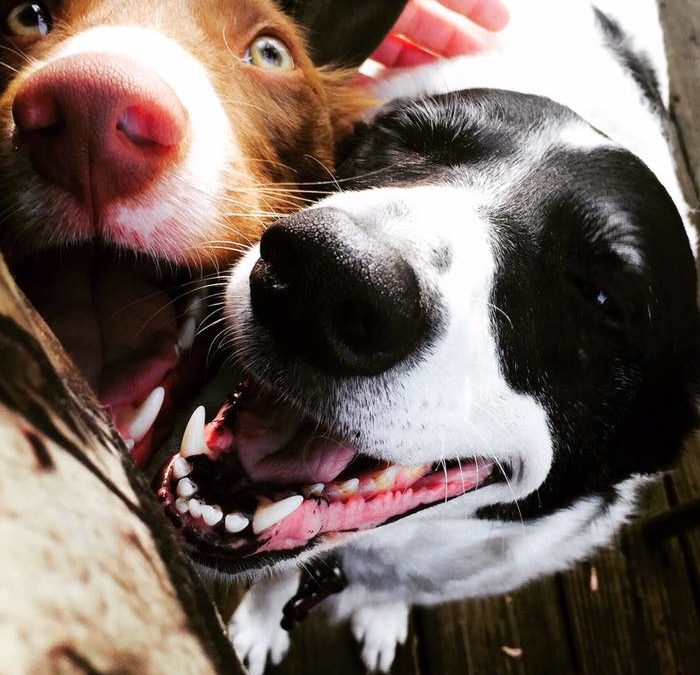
(681, 19)
(644, 617)
(473, 637)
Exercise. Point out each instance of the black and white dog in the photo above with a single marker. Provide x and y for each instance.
(461, 367)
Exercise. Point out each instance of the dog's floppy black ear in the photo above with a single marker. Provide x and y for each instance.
(344, 32)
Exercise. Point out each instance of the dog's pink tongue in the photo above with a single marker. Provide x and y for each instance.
(272, 448)
(113, 322)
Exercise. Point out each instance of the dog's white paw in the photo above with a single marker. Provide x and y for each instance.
(256, 641)
(379, 629)
(254, 629)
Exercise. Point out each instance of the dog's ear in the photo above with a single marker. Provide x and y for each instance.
(347, 103)
(344, 32)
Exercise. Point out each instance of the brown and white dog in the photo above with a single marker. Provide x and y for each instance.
(142, 143)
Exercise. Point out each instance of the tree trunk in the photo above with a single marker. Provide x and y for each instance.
(92, 578)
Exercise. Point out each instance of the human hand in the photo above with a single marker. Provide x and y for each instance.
(431, 29)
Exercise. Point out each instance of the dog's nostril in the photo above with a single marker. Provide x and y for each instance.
(272, 277)
(148, 126)
(37, 113)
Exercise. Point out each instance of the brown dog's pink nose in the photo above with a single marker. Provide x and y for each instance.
(99, 125)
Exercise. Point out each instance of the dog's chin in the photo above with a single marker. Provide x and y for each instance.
(131, 324)
(263, 483)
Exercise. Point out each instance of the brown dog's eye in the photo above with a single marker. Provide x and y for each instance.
(28, 20)
(269, 53)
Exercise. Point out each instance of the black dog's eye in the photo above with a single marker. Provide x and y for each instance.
(28, 20)
(599, 298)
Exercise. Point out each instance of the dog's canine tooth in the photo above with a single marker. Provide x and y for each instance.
(142, 419)
(267, 515)
(193, 441)
(195, 508)
(315, 490)
(181, 468)
(235, 522)
(129, 442)
(182, 505)
(186, 488)
(212, 515)
(186, 336)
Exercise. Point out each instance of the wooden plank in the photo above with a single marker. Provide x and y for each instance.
(681, 19)
(541, 629)
(470, 637)
(465, 638)
(683, 486)
(642, 619)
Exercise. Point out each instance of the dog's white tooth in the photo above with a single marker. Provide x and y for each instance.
(193, 441)
(212, 514)
(267, 515)
(129, 442)
(186, 336)
(181, 467)
(182, 505)
(195, 508)
(343, 490)
(384, 480)
(141, 420)
(315, 490)
(349, 487)
(186, 488)
(235, 522)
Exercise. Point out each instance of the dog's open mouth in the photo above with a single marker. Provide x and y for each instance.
(131, 329)
(260, 478)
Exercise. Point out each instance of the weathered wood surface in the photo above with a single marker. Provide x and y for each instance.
(644, 617)
(92, 580)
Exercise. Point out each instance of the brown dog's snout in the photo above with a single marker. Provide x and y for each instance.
(99, 125)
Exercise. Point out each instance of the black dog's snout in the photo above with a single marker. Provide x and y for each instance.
(332, 293)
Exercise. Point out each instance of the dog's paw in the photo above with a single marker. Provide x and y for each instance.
(254, 629)
(256, 641)
(379, 629)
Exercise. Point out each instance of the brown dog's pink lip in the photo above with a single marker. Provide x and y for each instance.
(210, 494)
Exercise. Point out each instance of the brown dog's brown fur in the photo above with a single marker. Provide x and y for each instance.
(287, 123)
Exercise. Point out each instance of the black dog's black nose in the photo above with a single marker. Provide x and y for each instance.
(332, 293)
